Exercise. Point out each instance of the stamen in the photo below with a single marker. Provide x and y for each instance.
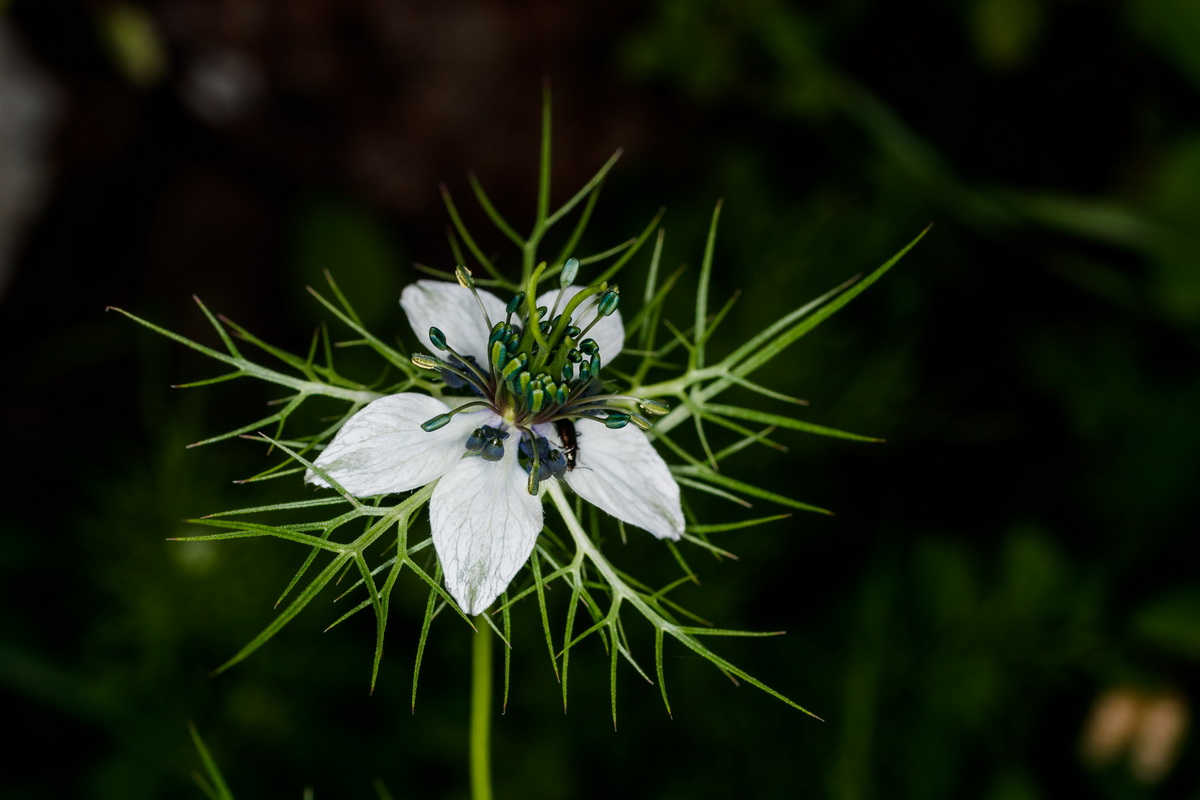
(499, 356)
(536, 397)
(423, 361)
(653, 407)
(431, 425)
(569, 271)
(513, 305)
(514, 366)
(565, 278)
(441, 420)
(467, 282)
(605, 306)
(536, 467)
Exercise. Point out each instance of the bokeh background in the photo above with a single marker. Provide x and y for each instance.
(1006, 604)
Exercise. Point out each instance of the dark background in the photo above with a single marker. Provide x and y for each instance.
(1018, 555)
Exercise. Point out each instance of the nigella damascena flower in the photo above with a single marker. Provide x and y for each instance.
(534, 409)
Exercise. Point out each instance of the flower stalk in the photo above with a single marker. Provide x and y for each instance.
(481, 711)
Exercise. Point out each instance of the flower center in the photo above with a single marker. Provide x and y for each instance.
(541, 370)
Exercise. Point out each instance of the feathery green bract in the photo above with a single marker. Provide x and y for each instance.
(214, 786)
(601, 600)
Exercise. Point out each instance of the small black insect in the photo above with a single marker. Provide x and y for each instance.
(570, 440)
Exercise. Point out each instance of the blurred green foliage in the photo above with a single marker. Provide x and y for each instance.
(1023, 542)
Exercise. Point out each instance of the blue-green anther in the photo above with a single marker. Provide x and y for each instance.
(616, 420)
(437, 422)
(585, 372)
(654, 407)
(640, 421)
(569, 271)
(560, 394)
(515, 303)
(574, 356)
(596, 364)
(589, 347)
(573, 331)
(498, 356)
(438, 338)
(426, 361)
(463, 275)
(608, 302)
(499, 332)
(514, 366)
(568, 373)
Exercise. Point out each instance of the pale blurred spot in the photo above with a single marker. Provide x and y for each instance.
(1146, 728)
(30, 105)
(221, 86)
(194, 558)
(1165, 719)
(134, 43)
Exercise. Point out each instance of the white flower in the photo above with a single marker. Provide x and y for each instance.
(484, 511)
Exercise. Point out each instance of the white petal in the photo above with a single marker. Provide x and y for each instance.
(382, 448)
(609, 332)
(621, 472)
(485, 524)
(453, 310)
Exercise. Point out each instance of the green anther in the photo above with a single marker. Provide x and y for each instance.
(589, 347)
(513, 367)
(438, 338)
(560, 394)
(608, 302)
(616, 420)
(523, 382)
(515, 303)
(439, 421)
(573, 331)
(498, 356)
(499, 331)
(567, 373)
(537, 397)
(641, 422)
(654, 407)
(424, 361)
(585, 372)
(464, 277)
(569, 271)
(574, 356)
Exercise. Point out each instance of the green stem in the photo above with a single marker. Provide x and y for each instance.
(481, 712)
